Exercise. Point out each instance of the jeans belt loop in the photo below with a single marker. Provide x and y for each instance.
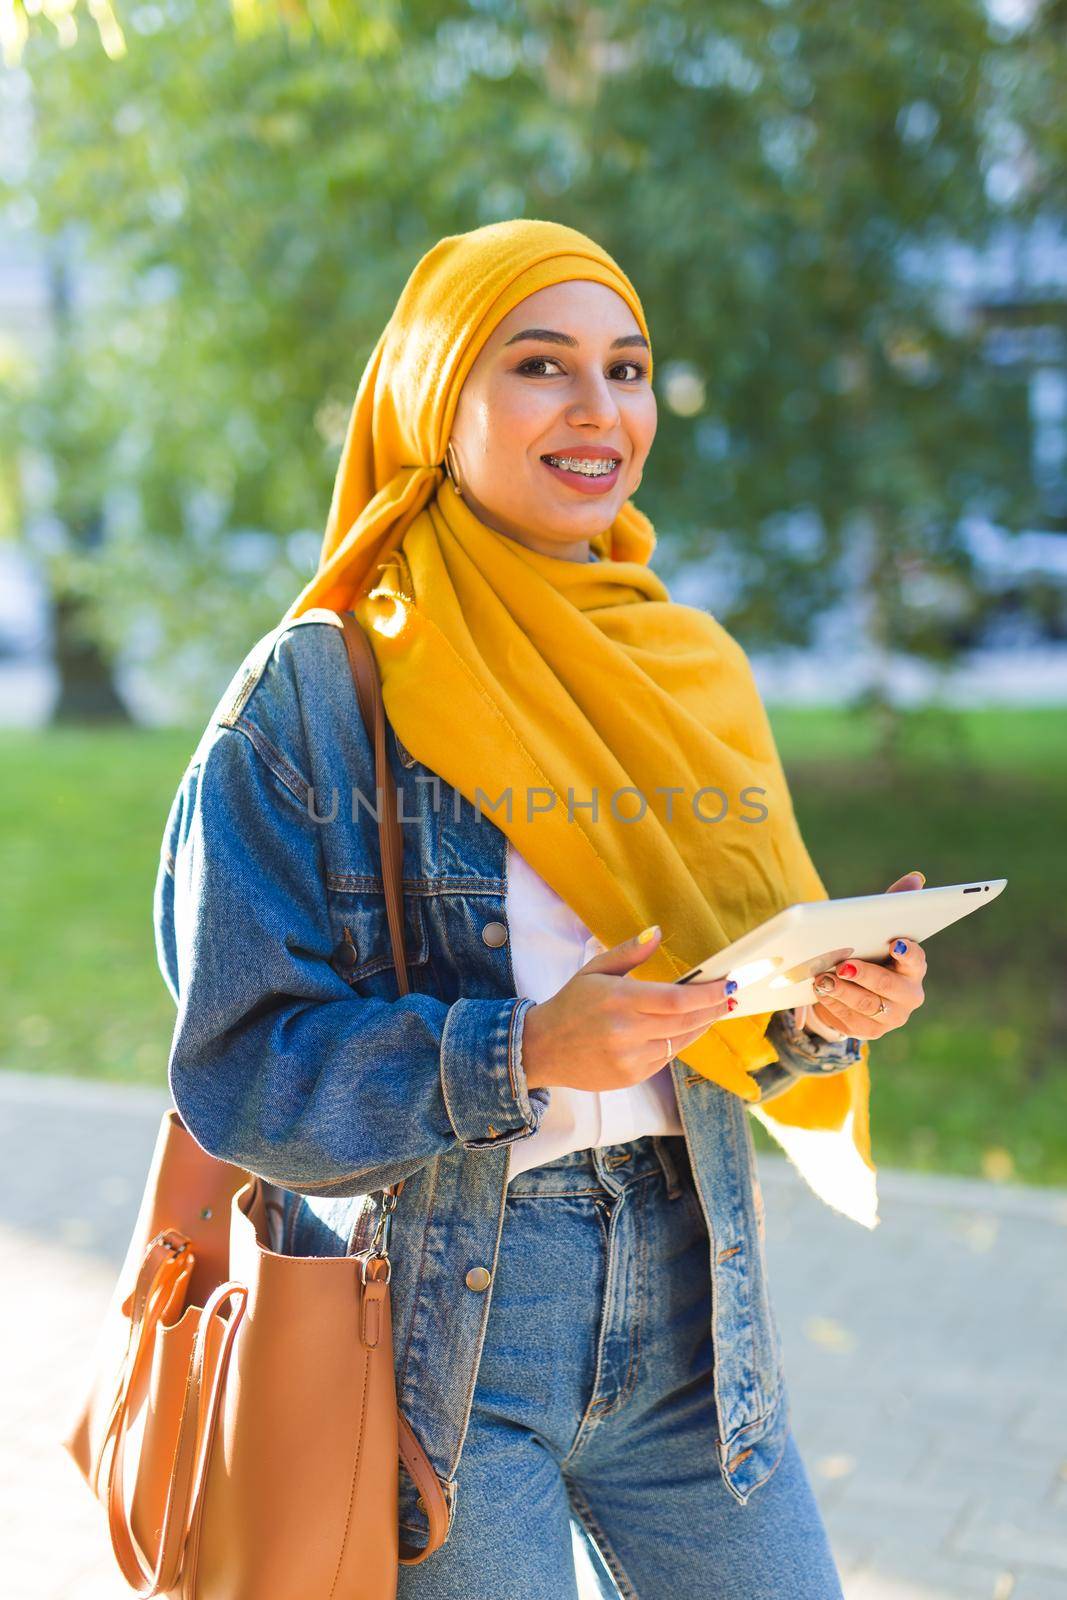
(670, 1169)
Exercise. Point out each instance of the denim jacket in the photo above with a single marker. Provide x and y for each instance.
(295, 1057)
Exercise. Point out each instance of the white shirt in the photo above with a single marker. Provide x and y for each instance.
(549, 944)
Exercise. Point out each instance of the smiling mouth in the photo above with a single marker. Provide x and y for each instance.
(585, 466)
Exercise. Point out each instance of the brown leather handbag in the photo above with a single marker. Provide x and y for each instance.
(242, 1427)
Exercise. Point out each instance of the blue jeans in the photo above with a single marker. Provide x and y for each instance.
(594, 1400)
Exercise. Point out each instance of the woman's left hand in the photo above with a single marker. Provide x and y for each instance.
(852, 992)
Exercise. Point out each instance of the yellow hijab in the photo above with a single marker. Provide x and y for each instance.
(508, 671)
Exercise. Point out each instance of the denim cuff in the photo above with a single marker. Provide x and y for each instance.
(806, 1052)
(774, 1079)
(482, 1080)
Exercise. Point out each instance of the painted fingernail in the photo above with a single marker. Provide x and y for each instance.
(648, 933)
(731, 1004)
(900, 948)
(731, 985)
(847, 970)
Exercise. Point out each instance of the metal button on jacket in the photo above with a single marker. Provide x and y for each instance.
(494, 934)
(345, 954)
(478, 1278)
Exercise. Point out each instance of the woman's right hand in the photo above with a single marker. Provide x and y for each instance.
(600, 1032)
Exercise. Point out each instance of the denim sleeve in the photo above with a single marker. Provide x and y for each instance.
(276, 1064)
(800, 1053)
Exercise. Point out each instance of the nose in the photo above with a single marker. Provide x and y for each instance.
(595, 402)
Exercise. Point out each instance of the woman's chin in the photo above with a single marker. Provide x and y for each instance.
(564, 520)
(571, 532)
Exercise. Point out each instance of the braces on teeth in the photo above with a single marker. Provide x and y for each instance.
(599, 468)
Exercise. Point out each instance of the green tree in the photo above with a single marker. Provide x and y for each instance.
(777, 179)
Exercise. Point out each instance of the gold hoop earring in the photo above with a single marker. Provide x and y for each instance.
(450, 468)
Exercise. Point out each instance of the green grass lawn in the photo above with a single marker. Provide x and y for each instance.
(977, 1082)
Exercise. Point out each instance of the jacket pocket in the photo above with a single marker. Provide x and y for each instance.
(363, 952)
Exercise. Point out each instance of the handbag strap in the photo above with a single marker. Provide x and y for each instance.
(430, 1487)
(369, 693)
(365, 676)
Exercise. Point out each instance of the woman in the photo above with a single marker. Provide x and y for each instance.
(581, 1320)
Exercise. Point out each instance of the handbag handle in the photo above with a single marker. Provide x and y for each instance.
(159, 1284)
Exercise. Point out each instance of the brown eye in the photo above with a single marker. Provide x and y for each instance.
(526, 367)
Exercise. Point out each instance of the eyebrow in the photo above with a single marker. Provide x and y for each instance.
(550, 336)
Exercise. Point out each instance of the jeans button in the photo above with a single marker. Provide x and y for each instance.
(478, 1278)
(494, 934)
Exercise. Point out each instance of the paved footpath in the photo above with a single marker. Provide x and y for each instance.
(927, 1360)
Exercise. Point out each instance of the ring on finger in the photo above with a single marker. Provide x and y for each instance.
(882, 1007)
(670, 1050)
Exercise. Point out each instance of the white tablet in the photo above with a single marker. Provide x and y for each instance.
(773, 965)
